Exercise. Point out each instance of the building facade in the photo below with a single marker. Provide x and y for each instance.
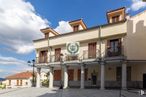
(106, 56)
(19, 80)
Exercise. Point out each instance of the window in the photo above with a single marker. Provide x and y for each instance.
(17, 82)
(92, 50)
(26, 83)
(21, 82)
(128, 73)
(76, 28)
(119, 73)
(43, 56)
(115, 19)
(57, 54)
(9, 82)
(114, 47)
(46, 35)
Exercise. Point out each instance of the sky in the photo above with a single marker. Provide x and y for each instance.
(21, 21)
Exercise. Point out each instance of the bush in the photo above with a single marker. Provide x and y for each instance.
(2, 86)
(45, 83)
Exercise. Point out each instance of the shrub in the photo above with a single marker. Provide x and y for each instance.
(45, 83)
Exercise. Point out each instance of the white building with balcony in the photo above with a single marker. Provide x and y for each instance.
(112, 55)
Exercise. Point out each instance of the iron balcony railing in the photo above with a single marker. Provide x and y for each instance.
(71, 58)
(113, 53)
(90, 54)
(84, 56)
(55, 58)
(43, 59)
(60, 58)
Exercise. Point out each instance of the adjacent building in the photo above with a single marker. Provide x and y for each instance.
(106, 56)
(19, 80)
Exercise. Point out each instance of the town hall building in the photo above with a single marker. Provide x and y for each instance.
(112, 55)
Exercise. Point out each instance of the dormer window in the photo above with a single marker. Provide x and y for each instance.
(115, 19)
(116, 15)
(76, 28)
(46, 35)
(49, 32)
(77, 25)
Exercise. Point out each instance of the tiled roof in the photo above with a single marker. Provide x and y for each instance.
(22, 75)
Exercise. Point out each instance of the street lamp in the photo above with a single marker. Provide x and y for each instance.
(32, 64)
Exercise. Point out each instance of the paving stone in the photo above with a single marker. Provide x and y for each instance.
(45, 92)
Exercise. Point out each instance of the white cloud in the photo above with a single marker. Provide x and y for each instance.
(63, 27)
(11, 61)
(1, 70)
(11, 65)
(137, 5)
(19, 25)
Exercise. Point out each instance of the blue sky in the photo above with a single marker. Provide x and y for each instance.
(21, 21)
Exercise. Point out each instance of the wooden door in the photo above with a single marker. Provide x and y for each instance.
(57, 75)
(17, 82)
(71, 74)
(57, 54)
(86, 74)
(92, 50)
(43, 56)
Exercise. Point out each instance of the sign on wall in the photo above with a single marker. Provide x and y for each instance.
(73, 48)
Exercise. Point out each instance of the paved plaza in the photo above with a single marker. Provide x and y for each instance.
(45, 92)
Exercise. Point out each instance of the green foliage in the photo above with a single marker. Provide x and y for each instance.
(2, 86)
(45, 83)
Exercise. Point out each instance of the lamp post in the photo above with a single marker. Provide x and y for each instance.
(32, 64)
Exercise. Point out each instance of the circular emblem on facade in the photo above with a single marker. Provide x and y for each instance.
(73, 48)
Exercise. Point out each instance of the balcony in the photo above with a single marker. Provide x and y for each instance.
(60, 58)
(85, 56)
(55, 58)
(90, 54)
(40, 60)
(114, 53)
(71, 58)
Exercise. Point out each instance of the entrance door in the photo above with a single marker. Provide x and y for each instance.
(144, 81)
(94, 78)
(57, 75)
(70, 74)
(79, 74)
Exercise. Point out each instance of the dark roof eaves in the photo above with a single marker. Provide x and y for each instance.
(116, 9)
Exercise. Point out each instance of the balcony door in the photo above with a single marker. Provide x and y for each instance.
(114, 47)
(57, 54)
(92, 50)
(43, 56)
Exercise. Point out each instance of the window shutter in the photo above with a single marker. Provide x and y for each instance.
(108, 44)
(119, 43)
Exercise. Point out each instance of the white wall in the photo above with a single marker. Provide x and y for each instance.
(136, 37)
(14, 83)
